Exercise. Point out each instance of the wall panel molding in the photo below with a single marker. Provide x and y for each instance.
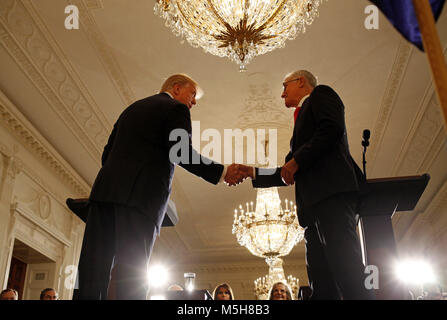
(28, 41)
(394, 82)
(34, 142)
(106, 56)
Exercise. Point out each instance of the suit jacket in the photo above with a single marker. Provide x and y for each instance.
(136, 168)
(320, 147)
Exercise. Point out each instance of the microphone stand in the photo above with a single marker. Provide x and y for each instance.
(365, 144)
(364, 161)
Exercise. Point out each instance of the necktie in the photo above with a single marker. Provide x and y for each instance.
(296, 113)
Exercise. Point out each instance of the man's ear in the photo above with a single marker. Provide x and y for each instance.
(176, 89)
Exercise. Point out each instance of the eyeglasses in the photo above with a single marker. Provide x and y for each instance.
(284, 84)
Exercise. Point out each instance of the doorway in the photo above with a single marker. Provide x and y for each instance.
(17, 274)
(30, 271)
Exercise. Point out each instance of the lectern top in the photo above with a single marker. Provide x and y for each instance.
(384, 196)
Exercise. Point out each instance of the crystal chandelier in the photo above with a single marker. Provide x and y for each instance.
(270, 231)
(276, 274)
(238, 29)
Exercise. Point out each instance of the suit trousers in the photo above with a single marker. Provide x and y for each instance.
(333, 254)
(117, 237)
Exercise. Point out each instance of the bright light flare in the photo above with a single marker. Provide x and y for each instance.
(415, 272)
(157, 276)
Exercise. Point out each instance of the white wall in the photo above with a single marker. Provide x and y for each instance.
(34, 183)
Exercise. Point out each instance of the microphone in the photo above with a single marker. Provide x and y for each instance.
(365, 144)
(366, 135)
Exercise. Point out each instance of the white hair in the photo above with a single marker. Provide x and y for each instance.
(306, 74)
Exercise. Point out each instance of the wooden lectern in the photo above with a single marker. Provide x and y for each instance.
(381, 199)
(80, 208)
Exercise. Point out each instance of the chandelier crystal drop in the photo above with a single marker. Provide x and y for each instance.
(237, 29)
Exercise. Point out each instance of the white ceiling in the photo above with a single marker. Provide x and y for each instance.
(73, 84)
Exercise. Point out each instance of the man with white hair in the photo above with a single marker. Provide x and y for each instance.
(327, 183)
(129, 198)
(9, 294)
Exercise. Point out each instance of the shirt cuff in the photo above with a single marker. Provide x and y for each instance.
(224, 173)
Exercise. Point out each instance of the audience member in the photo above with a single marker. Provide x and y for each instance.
(223, 292)
(280, 291)
(175, 287)
(48, 294)
(9, 294)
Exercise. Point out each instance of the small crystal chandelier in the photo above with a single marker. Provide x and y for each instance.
(238, 29)
(270, 231)
(263, 284)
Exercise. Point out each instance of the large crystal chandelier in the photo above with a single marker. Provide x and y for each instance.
(270, 231)
(238, 29)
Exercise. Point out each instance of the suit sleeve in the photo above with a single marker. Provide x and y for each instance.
(108, 146)
(328, 112)
(179, 118)
(266, 178)
(270, 177)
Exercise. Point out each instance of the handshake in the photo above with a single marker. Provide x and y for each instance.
(237, 173)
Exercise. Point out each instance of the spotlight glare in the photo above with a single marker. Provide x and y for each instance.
(157, 276)
(415, 272)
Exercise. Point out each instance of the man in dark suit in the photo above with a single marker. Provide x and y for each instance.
(327, 183)
(129, 198)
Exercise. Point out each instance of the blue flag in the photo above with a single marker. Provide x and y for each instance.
(402, 15)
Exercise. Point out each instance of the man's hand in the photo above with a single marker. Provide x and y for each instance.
(236, 173)
(288, 171)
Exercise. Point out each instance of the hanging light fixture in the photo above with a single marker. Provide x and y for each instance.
(269, 231)
(238, 29)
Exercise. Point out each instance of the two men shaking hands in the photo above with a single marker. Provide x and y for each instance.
(237, 173)
(129, 197)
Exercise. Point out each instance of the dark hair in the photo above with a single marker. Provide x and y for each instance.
(42, 293)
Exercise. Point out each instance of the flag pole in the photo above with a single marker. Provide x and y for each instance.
(432, 46)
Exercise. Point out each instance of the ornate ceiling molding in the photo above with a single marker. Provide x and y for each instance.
(386, 107)
(424, 141)
(92, 31)
(438, 207)
(94, 4)
(28, 41)
(34, 142)
(426, 138)
(429, 227)
(260, 110)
